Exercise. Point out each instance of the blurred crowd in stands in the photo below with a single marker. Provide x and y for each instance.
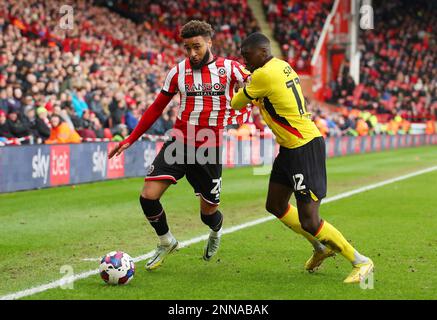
(232, 20)
(297, 26)
(91, 81)
(355, 122)
(342, 121)
(95, 80)
(398, 67)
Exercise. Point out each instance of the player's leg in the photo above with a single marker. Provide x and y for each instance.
(155, 214)
(206, 181)
(278, 204)
(210, 214)
(160, 176)
(213, 218)
(281, 186)
(153, 210)
(311, 189)
(333, 239)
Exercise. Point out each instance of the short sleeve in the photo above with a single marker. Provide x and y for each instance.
(170, 86)
(239, 72)
(258, 85)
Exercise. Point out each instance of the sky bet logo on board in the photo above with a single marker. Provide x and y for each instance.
(59, 165)
(40, 165)
(116, 164)
(99, 161)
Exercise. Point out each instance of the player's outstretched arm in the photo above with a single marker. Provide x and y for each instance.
(148, 118)
(257, 87)
(240, 100)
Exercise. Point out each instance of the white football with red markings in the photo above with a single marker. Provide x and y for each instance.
(117, 267)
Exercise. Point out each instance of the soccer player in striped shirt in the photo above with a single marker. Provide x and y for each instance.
(205, 84)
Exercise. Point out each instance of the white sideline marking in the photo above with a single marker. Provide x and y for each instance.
(83, 275)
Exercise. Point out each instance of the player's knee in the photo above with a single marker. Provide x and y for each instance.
(150, 207)
(208, 208)
(270, 208)
(149, 193)
(275, 208)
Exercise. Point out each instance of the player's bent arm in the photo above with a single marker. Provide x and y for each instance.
(149, 117)
(259, 86)
(240, 100)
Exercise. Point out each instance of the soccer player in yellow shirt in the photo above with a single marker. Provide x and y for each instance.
(300, 166)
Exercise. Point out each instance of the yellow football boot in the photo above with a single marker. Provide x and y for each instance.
(360, 272)
(317, 258)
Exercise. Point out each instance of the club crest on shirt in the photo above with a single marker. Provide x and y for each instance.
(221, 71)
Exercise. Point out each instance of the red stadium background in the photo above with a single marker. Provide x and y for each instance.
(101, 68)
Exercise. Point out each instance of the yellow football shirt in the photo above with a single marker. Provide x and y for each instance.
(275, 89)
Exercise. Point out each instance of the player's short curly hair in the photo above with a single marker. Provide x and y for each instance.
(196, 28)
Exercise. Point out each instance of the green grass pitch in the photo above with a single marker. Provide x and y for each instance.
(395, 225)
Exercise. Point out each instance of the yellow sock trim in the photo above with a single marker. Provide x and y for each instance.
(333, 239)
(291, 220)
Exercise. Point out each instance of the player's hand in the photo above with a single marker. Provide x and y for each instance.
(257, 102)
(118, 149)
(238, 86)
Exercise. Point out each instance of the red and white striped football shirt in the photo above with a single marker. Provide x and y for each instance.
(206, 93)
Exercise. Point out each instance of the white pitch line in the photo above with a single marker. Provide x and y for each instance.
(65, 281)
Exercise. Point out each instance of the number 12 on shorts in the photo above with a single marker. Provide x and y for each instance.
(298, 180)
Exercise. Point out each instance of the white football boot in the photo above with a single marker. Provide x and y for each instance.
(161, 252)
(212, 245)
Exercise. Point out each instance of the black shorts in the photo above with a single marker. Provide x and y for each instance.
(303, 169)
(202, 167)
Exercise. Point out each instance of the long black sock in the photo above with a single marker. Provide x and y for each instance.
(155, 214)
(214, 221)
